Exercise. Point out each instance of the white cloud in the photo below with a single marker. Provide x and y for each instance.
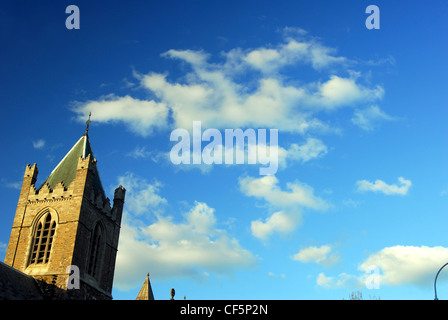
(343, 280)
(368, 117)
(219, 102)
(215, 93)
(192, 247)
(141, 196)
(213, 97)
(339, 91)
(320, 255)
(281, 222)
(380, 186)
(39, 144)
(202, 217)
(141, 116)
(290, 203)
(311, 149)
(168, 249)
(294, 50)
(298, 194)
(324, 281)
(401, 265)
(396, 266)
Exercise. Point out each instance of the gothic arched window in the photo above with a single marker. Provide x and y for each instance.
(43, 239)
(95, 251)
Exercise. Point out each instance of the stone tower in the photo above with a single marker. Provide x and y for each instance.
(67, 221)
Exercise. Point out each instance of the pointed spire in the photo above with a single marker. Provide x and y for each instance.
(87, 124)
(146, 290)
(66, 170)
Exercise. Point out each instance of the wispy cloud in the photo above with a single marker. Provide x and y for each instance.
(321, 255)
(142, 197)
(276, 276)
(141, 116)
(367, 118)
(139, 153)
(279, 222)
(289, 204)
(39, 144)
(213, 90)
(296, 193)
(401, 188)
(13, 185)
(3, 247)
(342, 280)
(294, 50)
(312, 148)
(389, 60)
(179, 249)
(193, 247)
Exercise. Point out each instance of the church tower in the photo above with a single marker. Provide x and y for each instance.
(68, 224)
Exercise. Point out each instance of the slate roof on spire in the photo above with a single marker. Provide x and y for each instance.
(146, 290)
(65, 171)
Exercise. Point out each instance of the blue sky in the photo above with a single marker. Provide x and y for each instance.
(361, 118)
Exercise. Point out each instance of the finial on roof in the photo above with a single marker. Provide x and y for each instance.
(87, 123)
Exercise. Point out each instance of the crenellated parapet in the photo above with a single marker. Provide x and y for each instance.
(80, 183)
(45, 193)
(87, 162)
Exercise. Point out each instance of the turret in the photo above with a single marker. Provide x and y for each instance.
(29, 180)
(117, 209)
